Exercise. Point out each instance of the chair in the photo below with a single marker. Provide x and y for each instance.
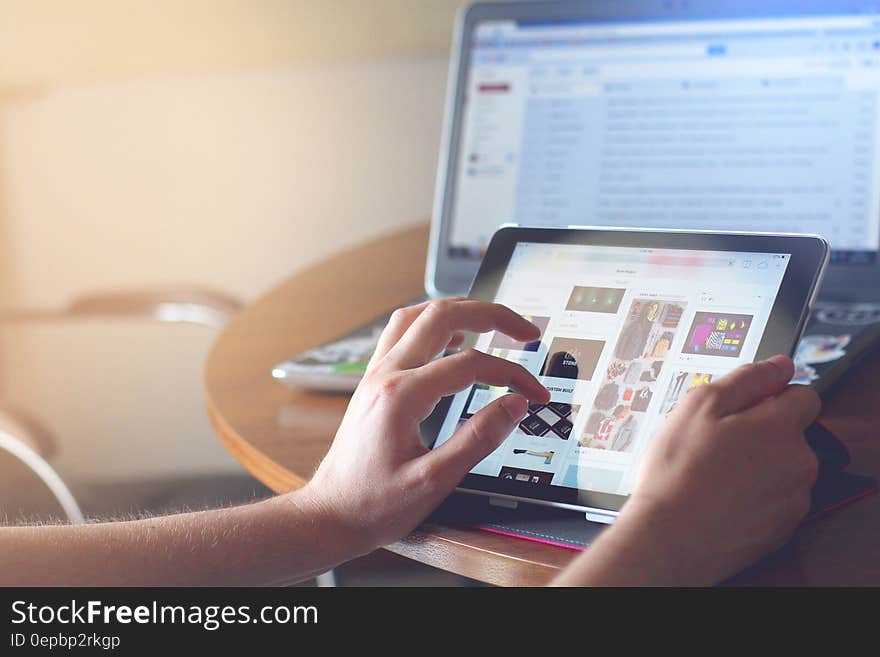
(175, 304)
(28, 484)
(39, 491)
(29, 440)
(29, 487)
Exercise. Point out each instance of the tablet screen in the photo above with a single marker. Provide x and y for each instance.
(627, 332)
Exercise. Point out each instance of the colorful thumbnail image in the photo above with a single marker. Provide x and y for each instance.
(717, 334)
(501, 341)
(614, 431)
(553, 420)
(649, 329)
(595, 299)
(533, 459)
(572, 358)
(680, 385)
(627, 389)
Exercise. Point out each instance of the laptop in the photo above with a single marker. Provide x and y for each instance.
(705, 114)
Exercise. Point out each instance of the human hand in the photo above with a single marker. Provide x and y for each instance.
(378, 481)
(724, 481)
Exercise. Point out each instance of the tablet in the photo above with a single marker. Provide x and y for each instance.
(631, 321)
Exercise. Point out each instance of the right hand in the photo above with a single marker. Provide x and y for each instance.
(378, 481)
(725, 480)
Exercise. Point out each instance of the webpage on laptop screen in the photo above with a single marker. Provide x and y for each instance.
(767, 125)
(626, 333)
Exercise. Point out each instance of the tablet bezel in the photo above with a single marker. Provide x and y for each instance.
(788, 317)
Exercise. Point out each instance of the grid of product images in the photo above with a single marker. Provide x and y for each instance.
(651, 353)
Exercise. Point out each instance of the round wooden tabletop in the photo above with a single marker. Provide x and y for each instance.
(280, 435)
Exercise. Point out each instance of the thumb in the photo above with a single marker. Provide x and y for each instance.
(477, 438)
(749, 384)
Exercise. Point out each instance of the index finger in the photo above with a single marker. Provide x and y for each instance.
(426, 385)
(435, 326)
(398, 323)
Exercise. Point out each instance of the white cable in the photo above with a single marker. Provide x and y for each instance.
(44, 471)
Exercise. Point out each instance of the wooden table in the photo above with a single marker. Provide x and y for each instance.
(280, 435)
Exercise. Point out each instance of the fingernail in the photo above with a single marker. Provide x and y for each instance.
(783, 364)
(516, 406)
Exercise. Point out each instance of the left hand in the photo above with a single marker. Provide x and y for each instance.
(378, 481)
(725, 480)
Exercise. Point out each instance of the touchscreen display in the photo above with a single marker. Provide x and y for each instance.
(626, 333)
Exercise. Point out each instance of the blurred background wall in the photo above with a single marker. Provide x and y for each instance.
(223, 143)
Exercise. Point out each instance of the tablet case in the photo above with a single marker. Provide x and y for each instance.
(569, 529)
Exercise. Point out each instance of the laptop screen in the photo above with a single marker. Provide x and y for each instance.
(766, 124)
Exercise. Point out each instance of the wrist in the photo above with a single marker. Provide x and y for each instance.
(669, 543)
(644, 547)
(307, 516)
(647, 542)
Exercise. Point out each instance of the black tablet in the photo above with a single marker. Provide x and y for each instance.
(631, 321)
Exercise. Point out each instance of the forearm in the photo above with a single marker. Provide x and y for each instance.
(276, 541)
